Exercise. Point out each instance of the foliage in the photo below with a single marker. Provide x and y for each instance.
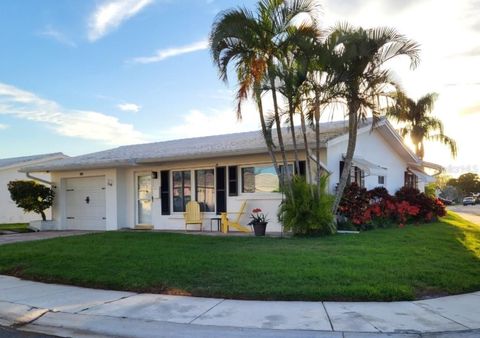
(467, 183)
(431, 190)
(378, 265)
(304, 211)
(418, 123)
(31, 196)
(366, 210)
(429, 208)
(257, 217)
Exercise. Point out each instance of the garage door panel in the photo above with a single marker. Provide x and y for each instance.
(86, 203)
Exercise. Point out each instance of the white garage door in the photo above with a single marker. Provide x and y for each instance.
(85, 203)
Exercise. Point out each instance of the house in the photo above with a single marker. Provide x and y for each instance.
(148, 185)
(9, 171)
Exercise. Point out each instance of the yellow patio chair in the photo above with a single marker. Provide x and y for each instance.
(193, 215)
(226, 222)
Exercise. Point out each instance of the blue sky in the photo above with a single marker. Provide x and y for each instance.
(52, 53)
(79, 76)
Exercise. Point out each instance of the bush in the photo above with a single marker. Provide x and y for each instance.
(364, 210)
(429, 208)
(306, 212)
(31, 196)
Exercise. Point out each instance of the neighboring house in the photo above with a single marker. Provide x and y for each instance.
(148, 185)
(9, 171)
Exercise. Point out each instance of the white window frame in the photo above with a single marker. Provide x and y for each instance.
(193, 181)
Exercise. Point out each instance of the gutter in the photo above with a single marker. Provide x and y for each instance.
(38, 179)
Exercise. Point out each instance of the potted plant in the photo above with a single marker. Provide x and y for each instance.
(259, 222)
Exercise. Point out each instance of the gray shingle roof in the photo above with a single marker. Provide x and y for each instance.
(183, 149)
(24, 160)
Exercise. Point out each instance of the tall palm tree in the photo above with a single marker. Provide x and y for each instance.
(418, 123)
(365, 77)
(251, 41)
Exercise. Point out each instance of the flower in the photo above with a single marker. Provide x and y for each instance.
(257, 217)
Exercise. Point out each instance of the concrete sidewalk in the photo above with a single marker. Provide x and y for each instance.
(37, 236)
(80, 312)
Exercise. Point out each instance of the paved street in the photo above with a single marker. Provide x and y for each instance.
(469, 212)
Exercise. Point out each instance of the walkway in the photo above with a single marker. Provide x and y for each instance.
(73, 311)
(35, 236)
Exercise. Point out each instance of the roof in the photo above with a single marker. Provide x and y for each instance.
(25, 160)
(245, 143)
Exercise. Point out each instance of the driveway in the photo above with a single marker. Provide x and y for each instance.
(469, 212)
(36, 236)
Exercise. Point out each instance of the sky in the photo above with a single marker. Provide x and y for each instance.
(78, 76)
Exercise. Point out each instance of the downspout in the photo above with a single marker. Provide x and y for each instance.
(38, 179)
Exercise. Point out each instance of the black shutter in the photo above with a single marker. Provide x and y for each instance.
(303, 169)
(233, 181)
(165, 191)
(342, 165)
(221, 193)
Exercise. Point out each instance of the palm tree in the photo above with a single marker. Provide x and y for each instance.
(365, 78)
(252, 41)
(418, 123)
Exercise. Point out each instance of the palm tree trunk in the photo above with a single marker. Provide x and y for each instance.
(268, 139)
(305, 141)
(317, 140)
(291, 112)
(352, 142)
(278, 124)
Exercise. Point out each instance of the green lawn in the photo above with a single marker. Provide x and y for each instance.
(393, 264)
(15, 227)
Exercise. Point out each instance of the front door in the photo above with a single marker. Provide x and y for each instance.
(144, 199)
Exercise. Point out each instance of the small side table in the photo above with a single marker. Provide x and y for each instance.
(216, 219)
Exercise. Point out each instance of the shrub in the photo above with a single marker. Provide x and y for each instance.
(304, 211)
(365, 210)
(354, 206)
(31, 196)
(429, 208)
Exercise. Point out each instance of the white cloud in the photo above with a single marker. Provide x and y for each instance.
(58, 36)
(205, 122)
(109, 15)
(129, 107)
(89, 125)
(3, 126)
(163, 54)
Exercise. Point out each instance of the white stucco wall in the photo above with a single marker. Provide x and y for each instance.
(9, 213)
(373, 148)
(268, 202)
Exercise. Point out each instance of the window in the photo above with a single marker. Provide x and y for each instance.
(259, 179)
(381, 180)
(205, 189)
(411, 180)
(357, 175)
(182, 190)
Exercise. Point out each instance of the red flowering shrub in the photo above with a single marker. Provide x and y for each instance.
(365, 210)
(429, 208)
(354, 206)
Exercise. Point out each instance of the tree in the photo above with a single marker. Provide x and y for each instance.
(467, 183)
(31, 196)
(252, 41)
(365, 78)
(418, 122)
